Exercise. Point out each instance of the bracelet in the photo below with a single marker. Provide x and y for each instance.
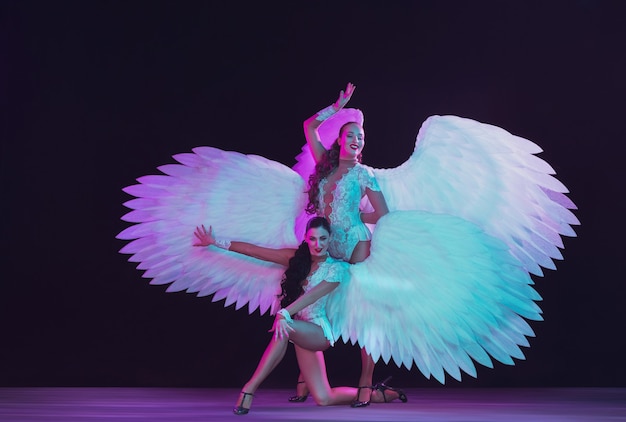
(285, 314)
(325, 113)
(224, 244)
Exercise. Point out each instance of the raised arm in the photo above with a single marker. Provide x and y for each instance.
(312, 123)
(205, 238)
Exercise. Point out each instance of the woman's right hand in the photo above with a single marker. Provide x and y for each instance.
(344, 96)
(204, 237)
(281, 328)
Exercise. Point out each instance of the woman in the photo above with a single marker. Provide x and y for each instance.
(336, 189)
(340, 182)
(311, 275)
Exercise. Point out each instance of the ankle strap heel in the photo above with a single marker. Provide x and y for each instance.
(240, 410)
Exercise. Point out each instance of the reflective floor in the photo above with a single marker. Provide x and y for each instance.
(424, 405)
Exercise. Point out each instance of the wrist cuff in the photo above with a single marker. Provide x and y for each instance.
(224, 244)
(325, 113)
(285, 315)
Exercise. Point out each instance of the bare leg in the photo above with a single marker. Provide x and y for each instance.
(360, 253)
(273, 354)
(366, 380)
(305, 334)
(313, 368)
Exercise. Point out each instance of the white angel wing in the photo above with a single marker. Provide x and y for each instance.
(490, 177)
(244, 197)
(436, 292)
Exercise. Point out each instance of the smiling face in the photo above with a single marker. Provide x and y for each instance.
(318, 239)
(351, 142)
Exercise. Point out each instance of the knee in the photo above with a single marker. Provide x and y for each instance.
(322, 399)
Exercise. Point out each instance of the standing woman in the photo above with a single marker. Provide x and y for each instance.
(336, 189)
(310, 276)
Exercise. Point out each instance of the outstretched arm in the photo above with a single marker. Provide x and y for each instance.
(205, 237)
(312, 123)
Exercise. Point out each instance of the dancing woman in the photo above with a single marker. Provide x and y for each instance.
(340, 182)
(336, 189)
(310, 276)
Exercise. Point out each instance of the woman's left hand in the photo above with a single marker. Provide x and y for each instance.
(344, 97)
(281, 328)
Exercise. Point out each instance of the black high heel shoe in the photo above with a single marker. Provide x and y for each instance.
(358, 403)
(298, 399)
(382, 387)
(240, 410)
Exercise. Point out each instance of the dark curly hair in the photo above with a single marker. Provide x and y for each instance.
(299, 267)
(326, 166)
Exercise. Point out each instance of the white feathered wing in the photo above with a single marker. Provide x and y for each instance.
(488, 176)
(245, 198)
(436, 292)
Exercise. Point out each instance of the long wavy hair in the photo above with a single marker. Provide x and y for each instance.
(299, 266)
(328, 164)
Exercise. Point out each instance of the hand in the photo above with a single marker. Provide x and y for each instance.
(205, 238)
(281, 328)
(344, 96)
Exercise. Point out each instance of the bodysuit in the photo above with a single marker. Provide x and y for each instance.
(347, 229)
(332, 271)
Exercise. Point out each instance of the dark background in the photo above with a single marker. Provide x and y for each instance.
(97, 93)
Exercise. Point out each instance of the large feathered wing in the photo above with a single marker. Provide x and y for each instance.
(488, 176)
(436, 292)
(244, 197)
